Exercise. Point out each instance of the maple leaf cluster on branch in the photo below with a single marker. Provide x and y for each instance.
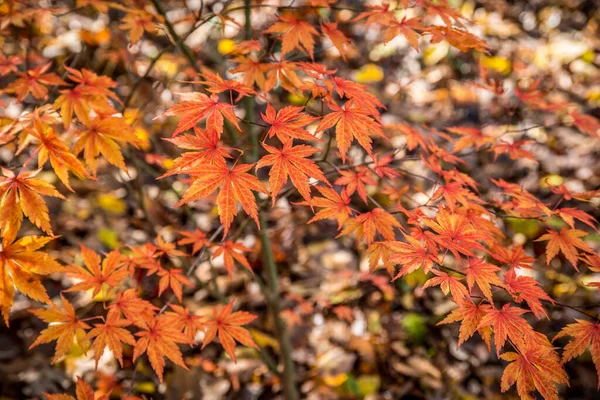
(326, 155)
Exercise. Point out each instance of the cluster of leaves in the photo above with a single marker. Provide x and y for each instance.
(455, 235)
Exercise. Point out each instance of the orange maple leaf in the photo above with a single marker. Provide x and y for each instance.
(527, 289)
(196, 238)
(20, 264)
(53, 149)
(585, 335)
(351, 122)
(93, 276)
(207, 149)
(339, 40)
(20, 195)
(83, 391)
(455, 233)
(469, 315)
(111, 334)
(158, 340)
(182, 317)
(335, 206)
(292, 162)
(288, 123)
(236, 187)
(296, 34)
(411, 255)
(66, 328)
(355, 181)
(101, 136)
(484, 274)
(232, 251)
(448, 284)
(138, 311)
(173, 278)
(567, 241)
(34, 81)
(507, 323)
(228, 326)
(533, 368)
(197, 106)
(366, 225)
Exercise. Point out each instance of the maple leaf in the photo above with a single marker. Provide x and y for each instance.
(527, 289)
(339, 40)
(570, 214)
(9, 64)
(111, 334)
(196, 238)
(567, 241)
(189, 323)
(507, 323)
(236, 187)
(136, 22)
(469, 315)
(514, 257)
(484, 274)
(53, 149)
(288, 123)
(292, 162)
(355, 181)
(380, 165)
(101, 136)
(408, 27)
(412, 136)
(20, 264)
(232, 251)
(20, 195)
(535, 98)
(358, 93)
(369, 223)
(412, 255)
(91, 93)
(207, 149)
(296, 34)
(138, 311)
(216, 84)
(253, 71)
(94, 276)
(173, 278)
(83, 391)
(448, 284)
(351, 122)
(585, 335)
(158, 340)
(455, 233)
(284, 72)
(228, 325)
(335, 205)
(586, 123)
(34, 81)
(380, 251)
(454, 193)
(534, 368)
(514, 150)
(197, 106)
(66, 328)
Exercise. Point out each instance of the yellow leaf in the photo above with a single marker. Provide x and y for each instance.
(111, 204)
(226, 46)
(109, 238)
(498, 64)
(369, 73)
(335, 380)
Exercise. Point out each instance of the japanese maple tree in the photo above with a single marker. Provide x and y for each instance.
(266, 125)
